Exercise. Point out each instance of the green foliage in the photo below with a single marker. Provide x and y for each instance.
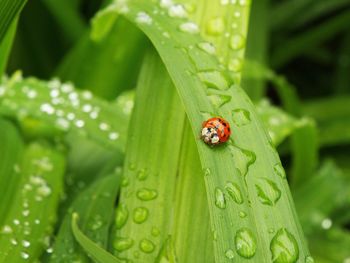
(101, 158)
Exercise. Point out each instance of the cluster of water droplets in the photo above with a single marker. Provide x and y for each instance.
(18, 228)
(61, 105)
(138, 215)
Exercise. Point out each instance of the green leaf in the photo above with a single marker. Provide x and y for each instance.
(177, 43)
(31, 217)
(279, 124)
(331, 246)
(150, 167)
(9, 9)
(95, 206)
(5, 46)
(70, 21)
(10, 156)
(257, 44)
(54, 108)
(332, 117)
(300, 44)
(98, 254)
(317, 198)
(191, 208)
(107, 66)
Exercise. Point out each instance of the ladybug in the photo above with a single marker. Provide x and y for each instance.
(215, 131)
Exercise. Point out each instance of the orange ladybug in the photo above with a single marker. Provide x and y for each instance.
(215, 131)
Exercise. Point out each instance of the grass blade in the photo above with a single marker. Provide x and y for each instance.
(191, 232)
(95, 209)
(33, 209)
(6, 45)
(10, 153)
(249, 161)
(52, 108)
(150, 166)
(96, 252)
(9, 9)
(90, 64)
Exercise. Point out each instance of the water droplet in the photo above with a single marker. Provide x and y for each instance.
(215, 26)
(121, 216)
(237, 42)
(207, 172)
(235, 65)
(166, 3)
(279, 170)
(113, 136)
(284, 247)
(140, 215)
(25, 243)
(326, 223)
(242, 214)
(207, 47)
(189, 27)
(220, 201)
(142, 175)
(125, 182)
(309, 259)
(132, 166)
(177, 11)
(146, 194)
(143, 18)
(24, 255)
(234, 192)
(219, 100)
(196, 55)
(155, 231)
(96, 223)
(147, 246)
(122, 243)
(243, 159)
(245, 243)
(267, 191)
(229, 254)
(241, 117)
(214, 80)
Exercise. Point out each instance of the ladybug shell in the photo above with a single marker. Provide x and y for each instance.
(221, 126)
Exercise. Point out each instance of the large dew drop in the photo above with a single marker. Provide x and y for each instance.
(245, 243)
(220, 200)
(143, 18)
(284, 247)
(189, 27)
(122, 243)
(215, 26)
(243, 159)
(241, 117)
(214, 80)
(207, 47)
(140, 215)
(146, 194)
(233, 190)
(268, 192)
(235, 65)
(279, 170)
(121, 216)
(219, 100)
(147, 246)
(237, 42)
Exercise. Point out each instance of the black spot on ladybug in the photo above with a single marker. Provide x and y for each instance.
(224, 123)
